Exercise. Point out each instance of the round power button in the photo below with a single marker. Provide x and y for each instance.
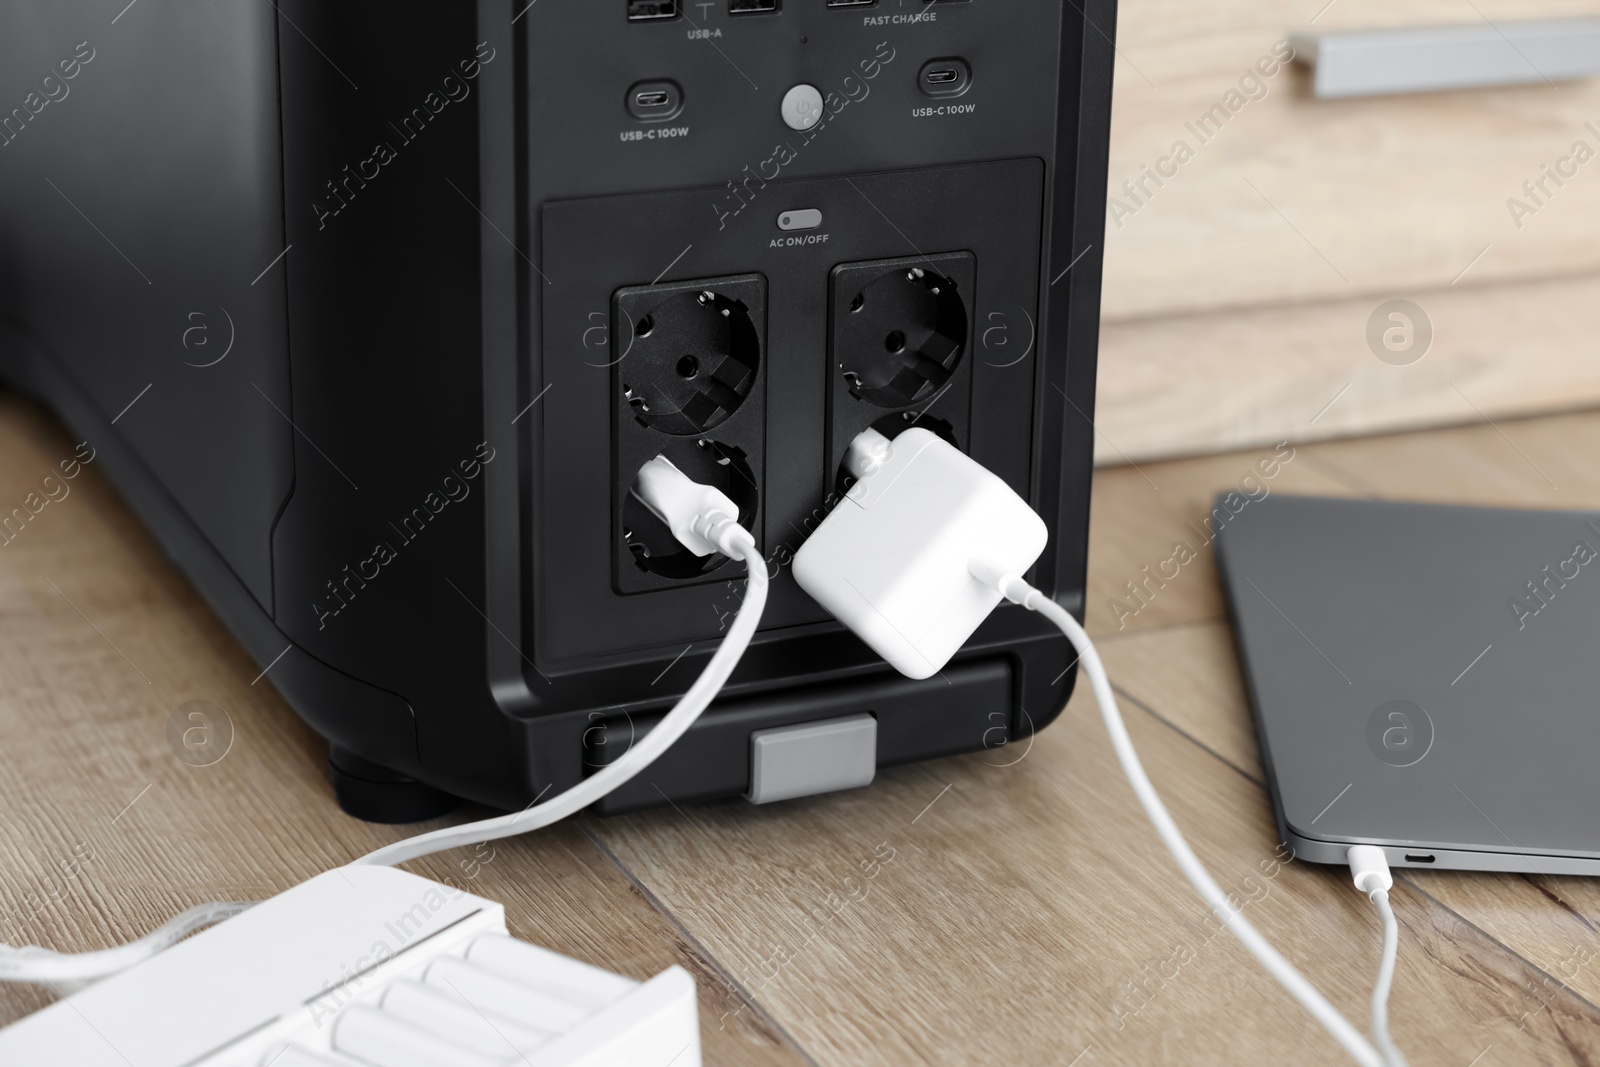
(802, 107)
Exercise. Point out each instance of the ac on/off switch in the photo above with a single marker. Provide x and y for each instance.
(805, 218)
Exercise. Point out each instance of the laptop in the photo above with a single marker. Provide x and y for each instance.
(1424, 678)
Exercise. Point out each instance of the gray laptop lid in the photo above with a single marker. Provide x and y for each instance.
(1423, 677)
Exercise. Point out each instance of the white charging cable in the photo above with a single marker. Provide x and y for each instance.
(1016, 590)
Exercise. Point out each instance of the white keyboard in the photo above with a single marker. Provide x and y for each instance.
(364, 967)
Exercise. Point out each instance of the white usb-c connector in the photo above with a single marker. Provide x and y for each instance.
(1369, 868)
(1007, 583)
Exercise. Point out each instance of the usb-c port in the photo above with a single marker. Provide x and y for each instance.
(751, 7)
(1419, 858)
(655, 100)
(851, 3)
(950, 76)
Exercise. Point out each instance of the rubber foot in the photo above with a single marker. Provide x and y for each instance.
(368, 791)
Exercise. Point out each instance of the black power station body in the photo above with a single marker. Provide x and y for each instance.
(372, 310)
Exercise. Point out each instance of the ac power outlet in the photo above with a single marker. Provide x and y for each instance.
(900, 334)
(687, 383)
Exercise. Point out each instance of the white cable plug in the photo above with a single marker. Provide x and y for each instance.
(1369, 868)
(867, 453)
(701, 517)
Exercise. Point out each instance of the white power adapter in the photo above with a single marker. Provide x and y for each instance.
(892, 561)
(364, 967)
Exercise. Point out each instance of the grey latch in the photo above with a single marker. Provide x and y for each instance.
(812, 757)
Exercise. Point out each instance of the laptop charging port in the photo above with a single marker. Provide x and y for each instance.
(945, 77)
(653, 101)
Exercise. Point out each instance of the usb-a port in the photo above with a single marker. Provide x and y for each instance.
(652, 10)
(752, 7)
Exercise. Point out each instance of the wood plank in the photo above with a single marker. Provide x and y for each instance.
(1189, 675)
(1530, 463)
(1203, 383)
(1145, 516)
(109, 833)
(1139, 512)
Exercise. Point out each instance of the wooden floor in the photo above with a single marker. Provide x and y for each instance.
(1010, 907)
